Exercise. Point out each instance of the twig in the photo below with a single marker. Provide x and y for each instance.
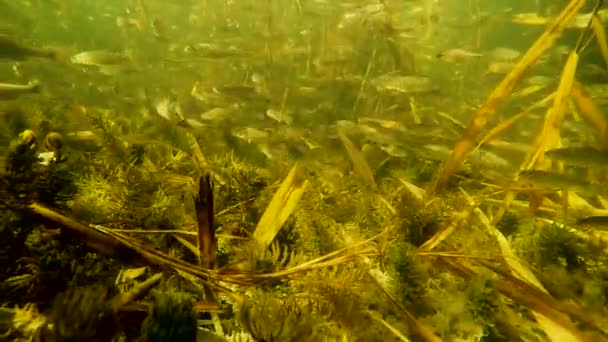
(94, 239)
(207, 243)
(137, 291)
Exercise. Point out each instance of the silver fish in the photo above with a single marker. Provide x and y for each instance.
(101, 58)
(457, 55)
(396, 84)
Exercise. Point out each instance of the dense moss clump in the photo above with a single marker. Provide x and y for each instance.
(170, 319)
(34, 254)
(259, 315)
(82, 314)
(409, 275)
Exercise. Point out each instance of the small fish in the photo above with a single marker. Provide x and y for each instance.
(364, 15)
(236, 91)
(370, 133)
(529, 90)
(584, 156)
(558, 181)
(485, 159)
(11, 91)
(101, 58)
(207, 95)
(311, 145)
(193, 123)
(84, 136)
(457, 55)
(84, 140)
(435, 152)
(280, 116)
(205, 50)
(238, 94)
(388, 124)
(310, 92)
(346, 125)
(530, 19)
(168, 109)
(598, 222)
(395, 84)
(250, 134)
(12, 49)
(109, 63)
(503, 54)
(538, 80)
(580, 21)
(395, 150)
(216, 114)
(499, 67)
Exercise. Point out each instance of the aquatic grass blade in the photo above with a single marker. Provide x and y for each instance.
(198, 158)
(590, 111)
(554, 329)
(504, 125)
(189, 245)
(446, 231)
(281, 206)
(360, 165)
(549, 136)
(521, 292)
(375, 316)
(418, 193)
(422, 331)
(500, 94)
(600, 37)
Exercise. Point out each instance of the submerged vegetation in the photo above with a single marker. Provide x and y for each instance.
(303, 171)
